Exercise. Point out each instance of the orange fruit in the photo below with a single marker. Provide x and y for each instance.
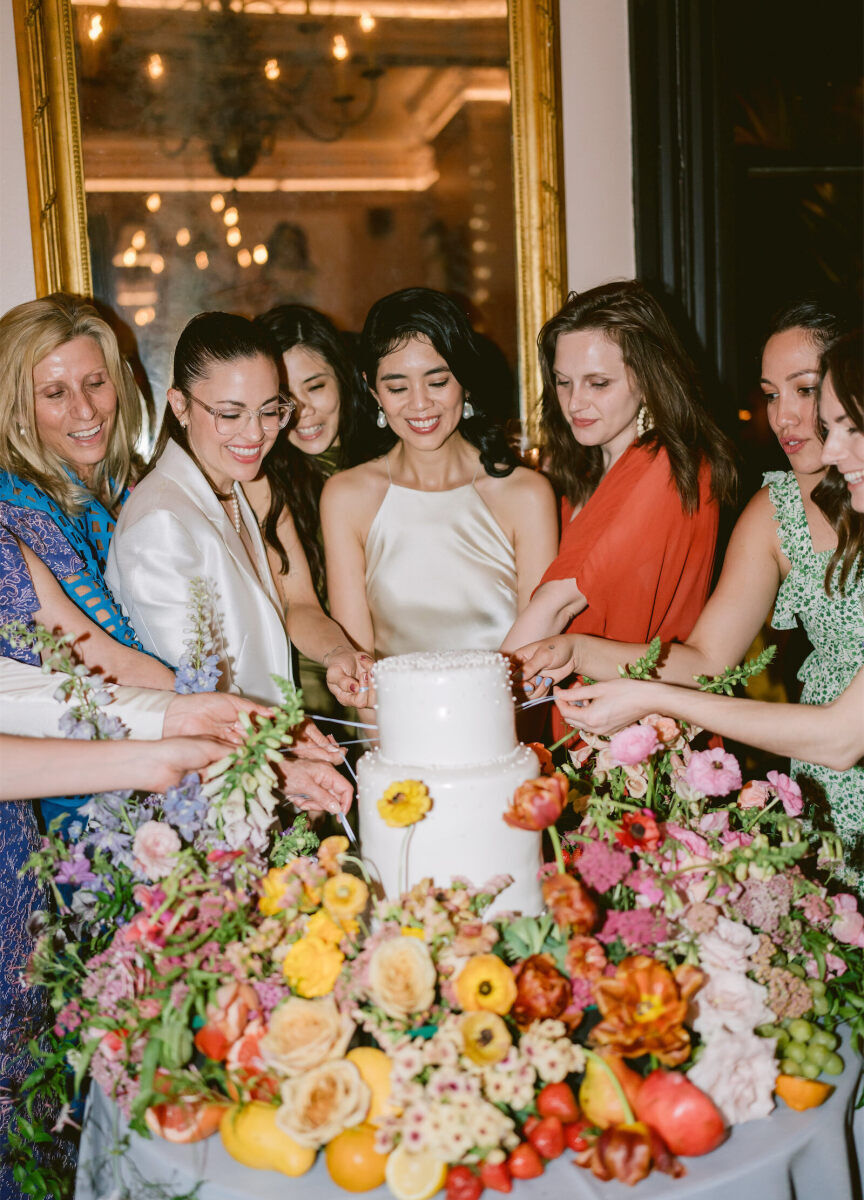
(374, 1067)
(802, 1093)
(352, 1160)
(182, 1122)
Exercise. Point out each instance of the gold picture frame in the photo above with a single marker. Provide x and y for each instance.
(55, 178)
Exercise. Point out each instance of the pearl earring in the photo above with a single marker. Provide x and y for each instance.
(467, 409)
(644, 421)
(381, 419)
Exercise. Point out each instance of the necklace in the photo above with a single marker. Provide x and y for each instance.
(235, 512)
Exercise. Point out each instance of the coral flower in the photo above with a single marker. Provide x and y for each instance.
(538, 803)
(639, 831)
(586, 958)
(547, 766)
(345, 896)
(570, 903)
(486, 1038)
(486, 983)
(330, 851)
(542, 991)
(643, 1009)
(404, 803)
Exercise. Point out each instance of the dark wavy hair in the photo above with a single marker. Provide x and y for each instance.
(842, 361)
(295, 478)
(628, 315)
(825, 321)
(422, 312)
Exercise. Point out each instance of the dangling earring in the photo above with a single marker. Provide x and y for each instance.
(467, 409)
(381, 419)
(644, 421)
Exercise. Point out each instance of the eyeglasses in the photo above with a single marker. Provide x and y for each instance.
(271, 417)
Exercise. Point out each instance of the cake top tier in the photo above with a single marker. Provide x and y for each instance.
(445, 709)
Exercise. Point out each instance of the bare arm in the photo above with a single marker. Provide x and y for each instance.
(534, 522)
(344, 547)
(551, 609)
(829, 734)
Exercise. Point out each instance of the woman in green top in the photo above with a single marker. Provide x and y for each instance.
(332, 430)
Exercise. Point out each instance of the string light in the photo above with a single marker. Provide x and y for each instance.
(95, 31)
(231, 216)
(234, 237)
(340, 49)
(217, 202)
(157, 264)
(153, 202)
(244, 258)
(138, 239)
(366, 22)
(260, 254)
(130, 257)
(271, 69)
(183, 237)
(155, 66)
(202, 262)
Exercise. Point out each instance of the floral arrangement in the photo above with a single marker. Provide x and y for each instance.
(211, 972)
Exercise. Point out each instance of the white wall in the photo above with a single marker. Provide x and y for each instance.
(17, 282)
(598, 172)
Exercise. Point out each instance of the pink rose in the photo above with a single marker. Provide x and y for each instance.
(713, 772)
(754, 795)
(848, 923)
(789, 793)
(155, 847)
(633, 745)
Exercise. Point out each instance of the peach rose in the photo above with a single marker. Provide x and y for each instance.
(155, 849)
(402, 977)
(320, 1104)
(304, 1034)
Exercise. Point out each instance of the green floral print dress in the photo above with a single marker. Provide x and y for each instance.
(835, 626)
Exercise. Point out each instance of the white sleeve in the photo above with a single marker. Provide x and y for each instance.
(28, 706)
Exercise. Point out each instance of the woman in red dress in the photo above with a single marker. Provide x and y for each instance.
(640, 465)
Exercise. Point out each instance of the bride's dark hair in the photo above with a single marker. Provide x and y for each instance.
(422, 312)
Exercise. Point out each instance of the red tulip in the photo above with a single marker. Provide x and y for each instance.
(541, 990)
(538, 803)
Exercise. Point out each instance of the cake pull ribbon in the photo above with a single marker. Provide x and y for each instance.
(343, 819)
(339, 721)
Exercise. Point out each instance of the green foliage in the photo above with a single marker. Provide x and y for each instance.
(740, 676)
(644, 667)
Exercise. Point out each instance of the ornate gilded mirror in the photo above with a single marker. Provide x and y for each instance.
(236, 154)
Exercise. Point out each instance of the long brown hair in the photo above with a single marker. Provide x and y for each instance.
(628, 315)
(842, 361)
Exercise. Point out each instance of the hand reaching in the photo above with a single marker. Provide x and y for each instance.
(349, 676)
(314, 746)
(545, 662)
(209, 714)
(156, 766)
(607, 707)
(315, 786)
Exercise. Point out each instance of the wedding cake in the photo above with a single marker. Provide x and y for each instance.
(446, 720)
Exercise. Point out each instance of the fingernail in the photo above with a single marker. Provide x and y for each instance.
(548, 681)
(538, 678)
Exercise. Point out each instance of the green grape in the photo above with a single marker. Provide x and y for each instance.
(796, 969)
(823, 1037)
(789, 1067)
(797, 1051)
(767, 1030)
(801, 1030)
(783, 1040)
(833, 1065)
(816, 986)
(817, 1054)
(810, 1070)
(821, 1006)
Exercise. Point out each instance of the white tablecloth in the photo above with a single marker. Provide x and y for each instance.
(815, 1155)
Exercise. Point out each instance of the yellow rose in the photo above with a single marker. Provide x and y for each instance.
(345, 895)
(312, 966)
(305, 1033)
(404, 803)
(402, 977)
(321, 1103)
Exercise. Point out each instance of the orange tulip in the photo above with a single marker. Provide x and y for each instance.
(643, 1009)
(538, 803)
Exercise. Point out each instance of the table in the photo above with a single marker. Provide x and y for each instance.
(814, 1155)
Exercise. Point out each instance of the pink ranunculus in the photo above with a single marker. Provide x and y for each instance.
(692, 841)
(735, 839)
(715, 822)
(713, 772)
(155, 849)
(633, 745)
(789, 793)
(755, 794)
(848, 923)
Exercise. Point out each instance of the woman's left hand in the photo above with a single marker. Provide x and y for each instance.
(315, 786)
(605, 707)
(349, 676)
(314, 746)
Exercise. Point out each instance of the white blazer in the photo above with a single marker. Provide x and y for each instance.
(172, 529)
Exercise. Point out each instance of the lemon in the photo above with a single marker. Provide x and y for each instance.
(374, 1067)
(252, 1136)
(414, 1176)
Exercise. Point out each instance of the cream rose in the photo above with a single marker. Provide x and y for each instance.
(320, 1104)
(402, 977)
(155, 849)
(728, 946)
(304, 1034)
(731, 1001)
(738, 1070)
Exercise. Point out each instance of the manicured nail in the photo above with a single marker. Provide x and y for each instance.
(548, 681)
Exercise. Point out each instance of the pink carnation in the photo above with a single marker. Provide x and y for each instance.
(715, 822)
(735, 839)
(789, 793)
(713, 772)
(633, 745)
(155, 849)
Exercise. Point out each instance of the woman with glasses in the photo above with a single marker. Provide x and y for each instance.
(189, 517)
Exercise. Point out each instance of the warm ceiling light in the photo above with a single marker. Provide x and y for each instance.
(234, 237)
(138, 239)
(183, 237)
(155, 66)
(202, 262)
(95, 31)
(260, 254)
(157, 264)
(340, 49)
(231, 216)
(271, 69)
(153, 202)
(744, 414)
(144, 316)
(130, 257)
(366, 22)
(244, 258)
(217, 202)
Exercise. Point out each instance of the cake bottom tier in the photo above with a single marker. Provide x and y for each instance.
(464, 832)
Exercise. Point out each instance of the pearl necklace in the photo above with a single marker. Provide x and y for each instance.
(235, 510)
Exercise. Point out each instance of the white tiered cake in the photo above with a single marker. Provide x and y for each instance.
(447, 720)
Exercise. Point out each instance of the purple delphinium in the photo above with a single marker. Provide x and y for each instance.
(76, 870)
(185, 807)
(189, 678)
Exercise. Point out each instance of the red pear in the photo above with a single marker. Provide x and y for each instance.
(687, 1120)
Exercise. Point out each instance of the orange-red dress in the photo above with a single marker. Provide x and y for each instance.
(643, 564)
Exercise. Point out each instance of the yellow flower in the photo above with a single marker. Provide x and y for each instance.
(345, 895)
(324, 927)
(486, 1038)
(413, 931)
(312, 966)
(404, 803)
(486, 983)
(330, 851)
(273, 888)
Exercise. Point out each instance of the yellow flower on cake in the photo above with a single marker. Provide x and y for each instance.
(404, 803)
(312, 965)
(402, 977)
(486, 983)
(302, 1034)
(345, 896)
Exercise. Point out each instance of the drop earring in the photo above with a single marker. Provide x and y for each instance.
(381, 419)
(644, 423)
(467, 409)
